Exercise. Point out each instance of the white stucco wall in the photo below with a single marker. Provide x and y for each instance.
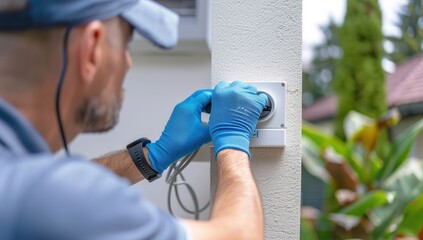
(155, 84)
(260, 40)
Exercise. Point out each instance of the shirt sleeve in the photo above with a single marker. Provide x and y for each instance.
(80, 200)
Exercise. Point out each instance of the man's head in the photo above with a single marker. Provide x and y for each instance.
(98, 56)
(99, 62)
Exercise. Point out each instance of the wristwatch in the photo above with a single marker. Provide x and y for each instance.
(136, 152)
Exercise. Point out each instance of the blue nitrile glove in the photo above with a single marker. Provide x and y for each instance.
(236, 109)
(183, 134)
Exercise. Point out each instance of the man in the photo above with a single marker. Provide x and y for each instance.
(62, 64)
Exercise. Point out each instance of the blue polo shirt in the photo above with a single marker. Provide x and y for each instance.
(42, 197)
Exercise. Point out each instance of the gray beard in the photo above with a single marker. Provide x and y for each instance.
(97, 116)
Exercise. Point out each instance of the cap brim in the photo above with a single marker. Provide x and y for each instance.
(154, 22)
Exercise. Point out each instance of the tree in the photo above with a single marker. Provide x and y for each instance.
(360, 79)
(410, 23)
(317, 80)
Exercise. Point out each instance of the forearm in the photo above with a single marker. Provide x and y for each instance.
(237, 196)
(237, 211)
(120, 162)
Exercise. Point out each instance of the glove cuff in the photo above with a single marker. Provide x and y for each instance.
(232, 142)
(153, 156)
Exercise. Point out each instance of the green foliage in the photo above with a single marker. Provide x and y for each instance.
(400, 150)
(317, 79)
(368, 202)
(307, 230)
(360, 78)
(410, 23)
(367, 196)
(413, 220)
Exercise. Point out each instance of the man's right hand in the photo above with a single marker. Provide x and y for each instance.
(235, 112)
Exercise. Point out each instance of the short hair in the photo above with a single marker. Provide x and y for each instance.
(28, 55)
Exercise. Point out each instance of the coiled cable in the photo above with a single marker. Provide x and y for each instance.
(176, 179)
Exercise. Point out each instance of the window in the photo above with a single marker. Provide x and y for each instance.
(181, 7)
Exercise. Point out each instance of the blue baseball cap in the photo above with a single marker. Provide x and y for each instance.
(153, 21)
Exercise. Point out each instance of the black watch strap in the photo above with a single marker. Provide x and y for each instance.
(136, 152)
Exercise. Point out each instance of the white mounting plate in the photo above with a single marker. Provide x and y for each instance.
(278, 91)
(271, 133)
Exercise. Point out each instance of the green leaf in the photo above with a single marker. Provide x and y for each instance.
(307, 230)
(376, 164)
(407, 184)
(367, 203)
(406, 179)
(312, 161)
(413, 220)
(401, 150)
(354, 157)
(323, 140)
(386, 217)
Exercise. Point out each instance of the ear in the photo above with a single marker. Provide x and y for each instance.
(90, 50)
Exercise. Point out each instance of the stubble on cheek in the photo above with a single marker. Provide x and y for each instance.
(99, 115)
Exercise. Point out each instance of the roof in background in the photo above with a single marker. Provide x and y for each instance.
(404, 87)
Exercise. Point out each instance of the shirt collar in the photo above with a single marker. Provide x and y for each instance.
(17, 134)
